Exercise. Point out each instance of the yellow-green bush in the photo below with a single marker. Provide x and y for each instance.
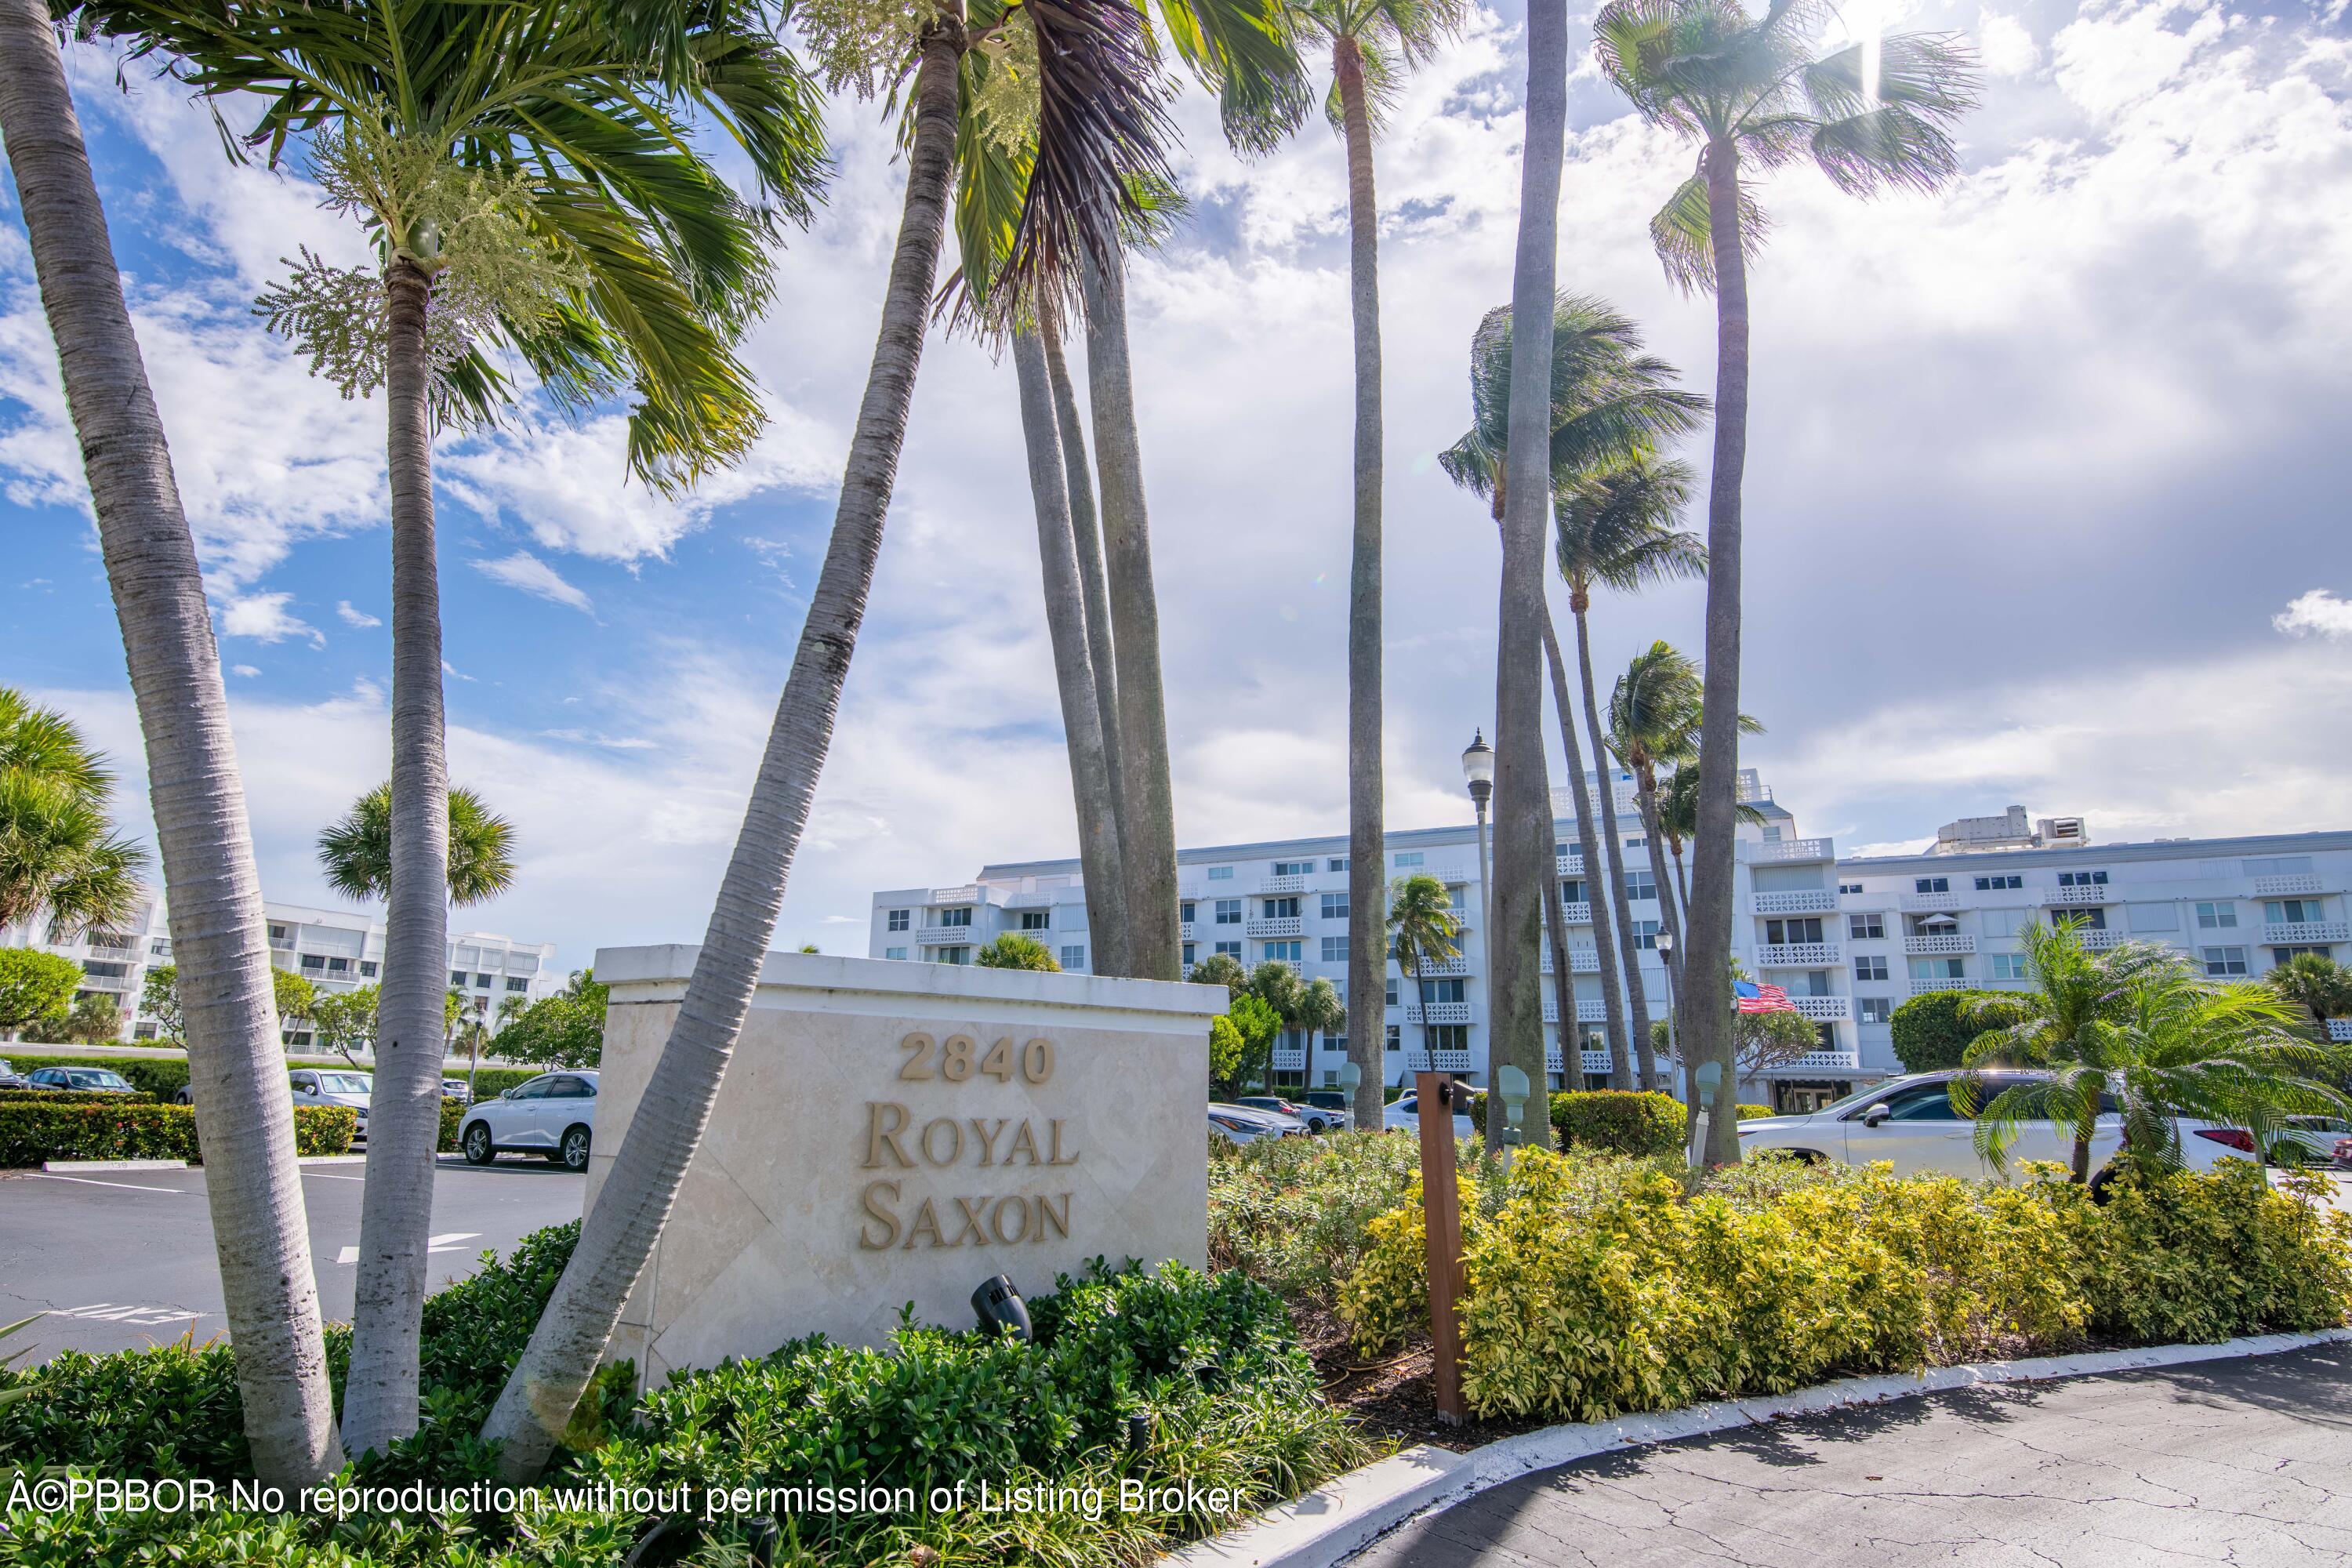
(2200, 1258)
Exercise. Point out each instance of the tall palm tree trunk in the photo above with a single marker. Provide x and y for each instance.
(1086, 531)
(1613, 1000)
(1367, 834)
(1523, 818)
(619, 1232)
(1707, 969)
(1147, 839)
(1629, 948)
(244, 1116)
(381, 1392)
(1066, 625)
(1681, 887)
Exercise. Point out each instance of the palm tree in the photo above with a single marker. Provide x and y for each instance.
(356, 850)
(528, 171)
(1673, 807)
(1873, 116)
(1017, 950)
(2138, 1027)
(244, 1114)
(1610, 406)
(59, 854)
(2316, 983)
(1098, 136)
(1421, 929)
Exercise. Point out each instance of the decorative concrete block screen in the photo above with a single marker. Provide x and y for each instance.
(891, 1131)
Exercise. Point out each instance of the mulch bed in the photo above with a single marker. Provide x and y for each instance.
(1391, 1396)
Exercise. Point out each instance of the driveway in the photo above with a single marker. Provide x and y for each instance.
(120, 1258)
(2246, 1461)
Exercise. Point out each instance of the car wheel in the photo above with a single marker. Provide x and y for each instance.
(573, 1155)
(477, 1145)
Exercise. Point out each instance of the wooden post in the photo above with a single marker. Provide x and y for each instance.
(1441, 1210)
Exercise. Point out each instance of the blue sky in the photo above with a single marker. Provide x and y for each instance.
(2044, 491)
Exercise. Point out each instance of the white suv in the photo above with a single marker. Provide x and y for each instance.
(553, 1114)
(1911, 1121)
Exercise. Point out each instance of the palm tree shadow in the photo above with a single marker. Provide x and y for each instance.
(2315, 1385)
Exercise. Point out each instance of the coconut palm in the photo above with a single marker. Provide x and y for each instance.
(528, 171)
(59, 854)
(356, 849)
(2316, 983)
(1221, 969)
(1097, 135)
(1612, 405)
(2139, 1029)
(1421, 929)
(1676, 808)
(1755, 91)
(1654, 718)
(253, 1188)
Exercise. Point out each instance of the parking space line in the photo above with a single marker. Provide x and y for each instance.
(330, 1176)
(89, 1181)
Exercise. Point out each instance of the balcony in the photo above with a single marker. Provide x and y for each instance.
(1569, 865)
(945, 936)
(1813, 901)
(1797, 954)
(1580, 960)
(1279, 925)
(1289, 1059)
(1931, 901)
(1944, 943)
(1029, 902)
(1586, 1012)
(2285, 887)
(2308, 932)
(1279, 885)
(1587, 1062)
(1443, 968)
(1417, 1060)
(1957, 983)
(1820, 1062)
(1771, 851)
(2101, 940)
(2062, 898)
(2339, 1028)
(1184, 930)
(1822, 1009)
(1576, 914)
(967, 894)
(1439, 1013)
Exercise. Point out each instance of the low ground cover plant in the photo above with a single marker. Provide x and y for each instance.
(1157, 1380)
(120, 1127)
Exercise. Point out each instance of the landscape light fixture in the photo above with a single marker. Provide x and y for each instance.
(1511, 1083)
(1001, 1309)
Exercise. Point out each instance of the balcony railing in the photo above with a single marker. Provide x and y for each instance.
(2339, 1028)
(2308, 931)
(1576, 914)
(1029, 902)
(944, 936)
(1289, 1057)
(2090, 893)
(1812, 901)
(1569, 865)
(1822, 1009)
(1282, 884)
(1417, 1060)
(1586, 1061)
(1278, 925)
(2285, 887)
(967, 894)
(1586, 1012)
(1440, 969)
(1770, 850)
(1580, 960)
(1957, 982)
(1947, 942)
(1439, 1011)
(1820, 1062)
(1931, 901)
(1184, 928)
(2098, 941)
(1797, 954)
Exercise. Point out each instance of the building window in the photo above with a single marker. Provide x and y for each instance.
(1645, 935)
(1230, 949)
(1848, 887)
(2223, 962)
(1220, 873)
(315, 961)
(1396, 1036)
(1394, 983)
(1186, 912)
(1073, 958)
(1037, 920)
(1780, 933)
(481, 983)
(2282, 955)
(1869, 966)
(1638, 885)
(367, 968)
(894, 952)
(1337, 863)
(1190, 951)
(1932, 885)
(143, 1031)
(1866, 928)
(1572, 891)
(1335, 906)
(2093, 919)
(2009, 966)
(1411, 857)
(2082, 879)
(1445, 990)
(2290, 911)
(457, 977)
(1228, 911)
(898, 920)
(1334, 1043)
(1335, 950)
(1281, 909)
(516, 984)
(1294, 868)
(277, 932)
(1938, 969)
(960, 918)
(1994, 884)
(955, 955)
(1285, 951)
(1873, 1009)
(2217, 916)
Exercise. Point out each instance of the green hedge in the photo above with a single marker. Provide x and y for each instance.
(488, 1083)
(159, 1076)
(1931, 1032)
(32, 1132)
(451, 1114)
(1750, 1112)
(71, 1097)
(1620, 1122)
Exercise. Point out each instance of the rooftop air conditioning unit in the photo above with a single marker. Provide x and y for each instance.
(2059, 832)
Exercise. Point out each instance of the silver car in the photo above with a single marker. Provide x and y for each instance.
(552, 1115)
(318, 1086)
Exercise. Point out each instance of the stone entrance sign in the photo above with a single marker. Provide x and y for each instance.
(891, 1131)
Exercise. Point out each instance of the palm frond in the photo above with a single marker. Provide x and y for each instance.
(1683, 234)
(1247, 51)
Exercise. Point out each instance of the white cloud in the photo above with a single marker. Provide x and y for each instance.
(2005, 45)
(267, 617)
(243, 670)
(354, 618)
(527, 572)
(2319, 614)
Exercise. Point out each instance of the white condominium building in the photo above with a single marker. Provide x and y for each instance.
(1849, 940)
(1287, 901)
(335, 950)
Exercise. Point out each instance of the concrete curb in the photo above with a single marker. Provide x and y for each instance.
(1331, 1523)
(64, 1165)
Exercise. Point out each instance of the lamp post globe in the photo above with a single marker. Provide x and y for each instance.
(1479, 773)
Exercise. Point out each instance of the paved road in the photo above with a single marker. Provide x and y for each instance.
(120, 1258)
(2243, 1461)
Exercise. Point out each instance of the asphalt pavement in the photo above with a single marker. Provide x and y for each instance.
(123, 1259)
(2246, 1461)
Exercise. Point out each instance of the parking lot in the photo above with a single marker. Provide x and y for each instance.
(122, 1258)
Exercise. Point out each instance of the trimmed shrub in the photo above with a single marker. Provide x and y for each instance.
(31, 1132)
(488, 1083)
(70, 1097)
(452, 1113)
(2181, 1258)
(1620, 1121)
(159, 1076)
(1931, 1035)
(1750, 1112)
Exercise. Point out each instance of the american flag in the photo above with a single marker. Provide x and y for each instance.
(1748, 996)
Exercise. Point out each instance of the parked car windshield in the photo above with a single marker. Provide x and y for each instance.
(344, 1083)
(97, 1080)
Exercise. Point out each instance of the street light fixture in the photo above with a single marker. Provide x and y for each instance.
(1479, 773)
